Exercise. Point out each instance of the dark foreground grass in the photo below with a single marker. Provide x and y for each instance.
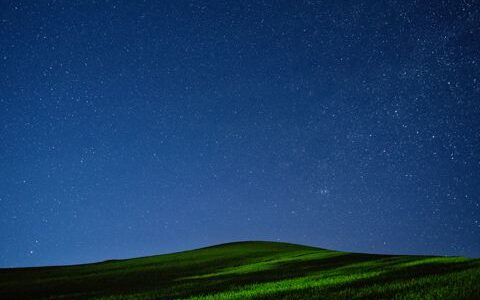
(252, 270)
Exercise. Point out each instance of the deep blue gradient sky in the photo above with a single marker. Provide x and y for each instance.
(132, 128)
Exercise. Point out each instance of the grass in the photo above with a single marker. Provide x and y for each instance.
(252, 270)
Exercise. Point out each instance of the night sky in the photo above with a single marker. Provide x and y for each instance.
(132, 128)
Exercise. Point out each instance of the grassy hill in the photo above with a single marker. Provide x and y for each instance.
(245, 270)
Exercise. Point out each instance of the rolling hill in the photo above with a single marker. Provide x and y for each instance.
(251, 270)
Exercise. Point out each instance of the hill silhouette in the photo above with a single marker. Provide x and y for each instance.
(251, 270)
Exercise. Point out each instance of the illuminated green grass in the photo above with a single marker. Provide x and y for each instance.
(252, 270)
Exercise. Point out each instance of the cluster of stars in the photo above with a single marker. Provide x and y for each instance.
(350, 127)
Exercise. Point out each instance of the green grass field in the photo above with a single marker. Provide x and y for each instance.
(252, 270)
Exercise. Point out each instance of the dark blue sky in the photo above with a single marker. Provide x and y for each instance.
(132, 128)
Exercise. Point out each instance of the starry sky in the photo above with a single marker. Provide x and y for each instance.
(132, 128)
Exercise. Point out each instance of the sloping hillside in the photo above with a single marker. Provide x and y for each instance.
(260, 270)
